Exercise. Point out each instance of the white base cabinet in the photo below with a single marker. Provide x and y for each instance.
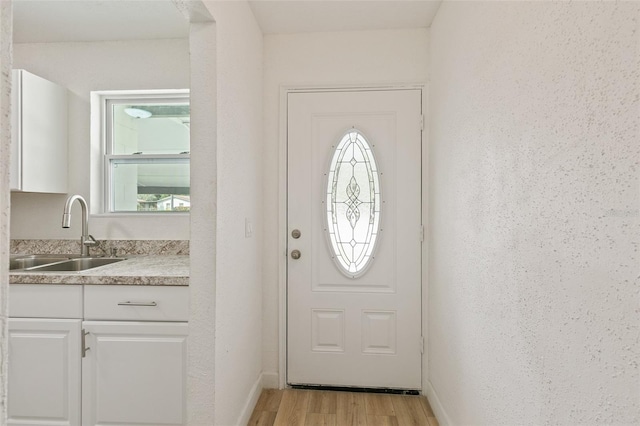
(134, 373)
(44, 371)
(125, 364)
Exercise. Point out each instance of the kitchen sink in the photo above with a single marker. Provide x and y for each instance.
(74, 265)
(29, 261)
(58, 263)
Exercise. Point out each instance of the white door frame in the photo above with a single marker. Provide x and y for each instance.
(282, 213)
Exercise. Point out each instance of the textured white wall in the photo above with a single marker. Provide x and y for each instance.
(534, 220)
(202, 278)
(83, 67)
(238, 310)
(319, 59)
(5, 141)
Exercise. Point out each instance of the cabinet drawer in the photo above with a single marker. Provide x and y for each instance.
(135, 303)
(45, 301)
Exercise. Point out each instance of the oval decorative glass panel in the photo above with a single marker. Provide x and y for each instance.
(353, 204)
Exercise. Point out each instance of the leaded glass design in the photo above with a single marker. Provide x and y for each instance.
(353, 204)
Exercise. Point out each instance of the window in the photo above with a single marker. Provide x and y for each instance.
(146, 152)
(352, 204)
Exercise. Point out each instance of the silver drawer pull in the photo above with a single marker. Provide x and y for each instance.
(137, 304)
(84, 343)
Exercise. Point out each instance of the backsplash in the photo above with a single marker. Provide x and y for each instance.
(123, 247)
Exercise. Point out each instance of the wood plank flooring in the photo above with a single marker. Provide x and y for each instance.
(292, 407)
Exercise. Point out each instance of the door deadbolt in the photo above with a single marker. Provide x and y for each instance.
(295, 254)
(296, 234)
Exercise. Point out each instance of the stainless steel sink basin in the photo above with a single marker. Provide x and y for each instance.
(74, 265)
(29, 261)
(57, 262)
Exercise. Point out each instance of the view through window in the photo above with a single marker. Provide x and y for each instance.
(147, 154)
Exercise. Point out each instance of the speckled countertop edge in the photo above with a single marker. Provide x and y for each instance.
(104, 247)
(158, 270)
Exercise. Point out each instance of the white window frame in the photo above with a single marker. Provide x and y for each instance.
(107, 99)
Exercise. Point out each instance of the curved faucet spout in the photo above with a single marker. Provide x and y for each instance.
(86, 240)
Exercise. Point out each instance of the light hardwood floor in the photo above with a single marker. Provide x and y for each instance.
(291, 407)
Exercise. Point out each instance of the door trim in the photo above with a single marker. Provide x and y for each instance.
(282, 211)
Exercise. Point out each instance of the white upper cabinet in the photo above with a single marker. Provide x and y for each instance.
(39, 134)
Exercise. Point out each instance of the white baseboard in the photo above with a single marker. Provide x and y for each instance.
(270, 381)
(438, 409)
(247, 410)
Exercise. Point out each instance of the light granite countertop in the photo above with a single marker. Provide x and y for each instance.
(135, 270)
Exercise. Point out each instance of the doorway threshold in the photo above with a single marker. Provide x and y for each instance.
(356, 389)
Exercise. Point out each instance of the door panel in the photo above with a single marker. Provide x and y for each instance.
(355, 330)
(44, 372)
(134, 373)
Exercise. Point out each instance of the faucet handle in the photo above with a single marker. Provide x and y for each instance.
(89, 241)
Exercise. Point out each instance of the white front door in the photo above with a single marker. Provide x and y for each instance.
(354, 238)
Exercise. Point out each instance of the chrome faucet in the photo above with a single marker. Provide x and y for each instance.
(86, 240)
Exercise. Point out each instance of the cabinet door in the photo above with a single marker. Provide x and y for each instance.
(15, 175)
(39, 139)
(44, 372)
(134, 373)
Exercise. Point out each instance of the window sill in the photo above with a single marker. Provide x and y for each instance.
(139, 214)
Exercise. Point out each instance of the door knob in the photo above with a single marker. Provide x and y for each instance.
(296, 233)
(295, 254)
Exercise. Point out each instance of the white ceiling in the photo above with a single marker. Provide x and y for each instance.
(42, 21)
(293, 16)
